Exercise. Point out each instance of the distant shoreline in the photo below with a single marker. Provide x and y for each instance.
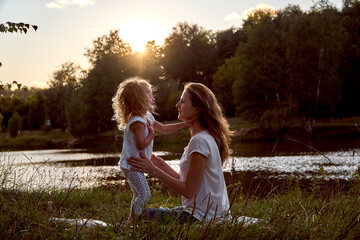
(243, 131)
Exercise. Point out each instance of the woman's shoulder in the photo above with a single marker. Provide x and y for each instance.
(203, 138)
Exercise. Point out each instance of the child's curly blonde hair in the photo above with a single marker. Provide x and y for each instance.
(131, 99)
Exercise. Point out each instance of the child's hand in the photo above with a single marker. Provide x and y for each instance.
(189, 122)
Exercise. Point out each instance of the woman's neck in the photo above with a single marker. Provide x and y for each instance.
(195, 128)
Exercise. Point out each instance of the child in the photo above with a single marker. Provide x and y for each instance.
(133, 104)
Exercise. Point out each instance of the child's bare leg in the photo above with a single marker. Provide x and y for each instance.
(132, 220)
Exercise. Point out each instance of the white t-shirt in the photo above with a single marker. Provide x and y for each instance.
(129, 144)
(211, 200)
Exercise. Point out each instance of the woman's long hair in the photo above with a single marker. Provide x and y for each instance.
(211, 116)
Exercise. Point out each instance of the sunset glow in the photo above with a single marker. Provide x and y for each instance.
(138, 33)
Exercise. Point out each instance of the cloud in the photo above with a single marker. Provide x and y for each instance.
(232, 16)
(243, 15)
(65, 3)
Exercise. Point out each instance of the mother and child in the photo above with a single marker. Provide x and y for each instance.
(200, 181)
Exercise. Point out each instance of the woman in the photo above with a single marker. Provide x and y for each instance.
(200, 181)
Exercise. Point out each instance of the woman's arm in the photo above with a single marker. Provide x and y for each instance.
(169, 128)
(188, 187)
(138, 128)
(160, 163)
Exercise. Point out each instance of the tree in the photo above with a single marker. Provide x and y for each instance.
(148, 64)
(257, 86)
(112, 62)
(62, 84)
(313, 48)
(14, 125)
(35, 116)
(226, 43)
(74, 116)
(189, 54)
(223, 82)
(350, 60)
(107, 44)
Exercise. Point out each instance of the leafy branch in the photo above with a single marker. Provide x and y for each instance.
(16, 27)
(8, 86)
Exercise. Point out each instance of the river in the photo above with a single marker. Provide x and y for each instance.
(53, 169)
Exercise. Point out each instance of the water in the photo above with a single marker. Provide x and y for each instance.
(80, 168)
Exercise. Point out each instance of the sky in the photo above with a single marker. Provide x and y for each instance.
(67, 27)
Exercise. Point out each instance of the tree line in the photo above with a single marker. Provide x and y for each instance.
(278, 67)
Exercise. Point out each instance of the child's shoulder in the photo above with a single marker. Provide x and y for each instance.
(136, 118)
(150, 117)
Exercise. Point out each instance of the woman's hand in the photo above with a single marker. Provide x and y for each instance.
(157, 161)
(141, 164)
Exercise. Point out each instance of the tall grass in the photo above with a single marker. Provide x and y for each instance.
(319, 211)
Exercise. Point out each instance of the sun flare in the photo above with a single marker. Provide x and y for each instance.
(138, 33)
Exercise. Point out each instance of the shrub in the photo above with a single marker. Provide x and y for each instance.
(14, 124)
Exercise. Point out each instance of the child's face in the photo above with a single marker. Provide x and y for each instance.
(150, 97)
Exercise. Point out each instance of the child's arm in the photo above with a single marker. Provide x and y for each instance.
(138, 128)
(169, 128)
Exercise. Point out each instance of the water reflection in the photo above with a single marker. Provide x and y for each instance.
(81, 169)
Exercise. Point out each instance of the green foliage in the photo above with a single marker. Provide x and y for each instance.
(14, 125)
(8, 86)
(35, 116)
(74, 116)
(278, 65)
(223, 82)
(350, 60)
(290, 56)
(257, 86)
(167, 95)
(189, 54)
(16, 27)
(226, 43)
(63, 83)
(275, 120)
(112, 63)
(172, 100)
(313, 47)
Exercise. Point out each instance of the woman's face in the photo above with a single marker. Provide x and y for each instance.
(186, 111)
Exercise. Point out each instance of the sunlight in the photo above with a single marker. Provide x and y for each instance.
(138, 33)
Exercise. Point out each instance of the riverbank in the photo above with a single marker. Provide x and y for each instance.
(243, 131)
(289, 212)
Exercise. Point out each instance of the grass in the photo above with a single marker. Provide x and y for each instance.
(287, 212)
(319, 211)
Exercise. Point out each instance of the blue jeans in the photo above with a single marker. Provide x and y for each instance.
(166, 214)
